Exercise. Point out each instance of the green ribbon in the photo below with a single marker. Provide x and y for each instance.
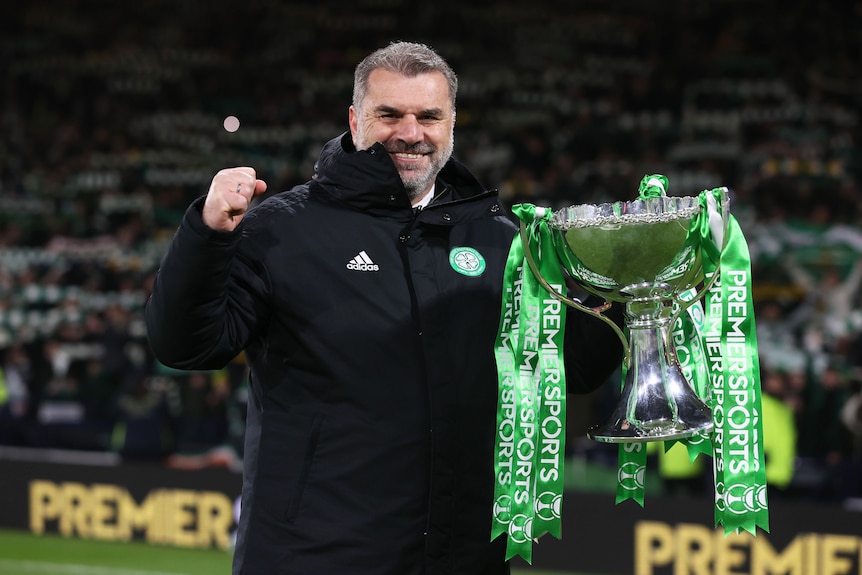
(716, 345)
(631, 470)
(531, 410)
(730, 345)
(687, 338)
(652, 186)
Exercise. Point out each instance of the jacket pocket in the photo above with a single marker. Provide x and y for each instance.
(287, 448)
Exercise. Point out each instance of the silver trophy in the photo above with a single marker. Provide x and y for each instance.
(641, 253)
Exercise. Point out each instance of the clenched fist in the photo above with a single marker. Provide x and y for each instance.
(229, 196)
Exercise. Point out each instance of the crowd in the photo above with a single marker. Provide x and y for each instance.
(113, 120)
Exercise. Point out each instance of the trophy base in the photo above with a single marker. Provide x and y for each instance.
(656, 402)
(624, 431)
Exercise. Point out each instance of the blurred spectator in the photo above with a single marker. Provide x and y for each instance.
(851, 417)
(779, 431)
(204, 411)
(144, 424)
(829, 302)
(778, 335)
(59, 409)
(824, 443)
(15, 375)
(99, 389)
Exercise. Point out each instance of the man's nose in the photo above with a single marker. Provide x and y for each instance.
(409, 129)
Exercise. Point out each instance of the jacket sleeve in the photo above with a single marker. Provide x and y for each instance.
(206, 300)
(593, 351)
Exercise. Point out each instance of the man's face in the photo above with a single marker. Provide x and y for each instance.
(413, 119)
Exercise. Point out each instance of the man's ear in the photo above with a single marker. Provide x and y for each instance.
(353, 121)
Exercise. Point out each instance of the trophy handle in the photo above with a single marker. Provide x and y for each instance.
(595, 312)
(725, 224)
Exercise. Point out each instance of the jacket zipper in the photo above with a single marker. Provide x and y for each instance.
(414, 302)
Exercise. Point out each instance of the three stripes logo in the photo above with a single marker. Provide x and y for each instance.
(362, 263)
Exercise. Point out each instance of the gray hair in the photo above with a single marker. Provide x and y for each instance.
(406, 58)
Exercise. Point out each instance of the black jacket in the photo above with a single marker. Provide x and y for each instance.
(373, 382)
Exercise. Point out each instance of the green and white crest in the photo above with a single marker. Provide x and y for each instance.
(467, 261)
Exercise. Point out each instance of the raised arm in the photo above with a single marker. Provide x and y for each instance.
(207, 298)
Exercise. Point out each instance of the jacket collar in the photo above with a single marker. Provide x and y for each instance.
(367, 179)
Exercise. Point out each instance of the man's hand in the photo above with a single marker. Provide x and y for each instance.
(229, 196)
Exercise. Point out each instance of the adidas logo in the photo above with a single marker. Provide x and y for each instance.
(362, 263)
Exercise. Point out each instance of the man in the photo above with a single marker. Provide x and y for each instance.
(367, 302)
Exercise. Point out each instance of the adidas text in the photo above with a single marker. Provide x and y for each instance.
(362, 263)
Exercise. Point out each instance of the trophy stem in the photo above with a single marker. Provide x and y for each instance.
(657, 403)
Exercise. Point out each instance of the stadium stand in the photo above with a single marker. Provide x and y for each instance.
(112, 122)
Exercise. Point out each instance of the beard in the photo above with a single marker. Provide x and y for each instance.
(416, 179)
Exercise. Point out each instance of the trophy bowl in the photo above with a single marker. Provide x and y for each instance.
(644, 254)
(608, 248)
